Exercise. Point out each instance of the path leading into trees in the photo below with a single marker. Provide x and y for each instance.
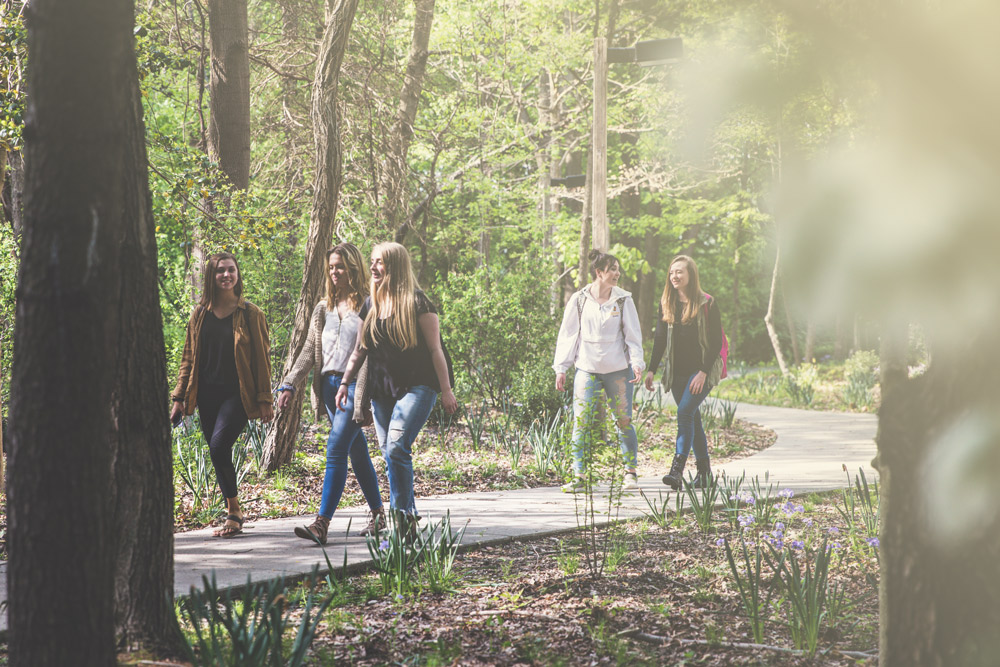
(809, 455)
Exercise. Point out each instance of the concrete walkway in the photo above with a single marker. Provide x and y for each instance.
(809, 455)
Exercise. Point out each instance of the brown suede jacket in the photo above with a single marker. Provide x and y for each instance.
(253, 359)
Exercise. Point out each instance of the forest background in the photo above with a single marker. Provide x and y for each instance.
(503, 106)
(442, 124)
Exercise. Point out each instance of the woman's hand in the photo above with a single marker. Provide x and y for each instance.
(176, 412)
(697, 382)
(560, 382)
(284, 398)
(636, 375)
(449, 401)
(649, 380)
(266, 412)
(341, 400)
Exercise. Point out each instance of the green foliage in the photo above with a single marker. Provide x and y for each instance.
(800, 383)
(861, 372)
(702, 500)
(750, 584)
(864, 500)
(402, 553)
(495, 326)
(805, 584)
(13, 60)
(9, 262)
(248, 629)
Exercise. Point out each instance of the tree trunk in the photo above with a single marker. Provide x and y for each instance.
(142, 489)
(772, 332)
(78, 185)
(810, 353)
(281, 437)
(793, 333)
(393, 186)
(939, 592)
(585, 221)
(649, 287)
(548, 168)
(229, 90)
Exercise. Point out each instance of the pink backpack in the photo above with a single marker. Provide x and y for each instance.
(724, 352)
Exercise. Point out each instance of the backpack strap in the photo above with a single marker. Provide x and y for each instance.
(621, 327)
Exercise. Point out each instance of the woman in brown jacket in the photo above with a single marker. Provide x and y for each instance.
(226, 372)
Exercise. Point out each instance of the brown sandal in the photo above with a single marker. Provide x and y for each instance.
(231, 531)
(316, 531)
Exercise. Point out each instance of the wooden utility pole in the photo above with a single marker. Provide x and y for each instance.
(599, 154)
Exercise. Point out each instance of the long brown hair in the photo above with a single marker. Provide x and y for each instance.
(356, 284)
(394, 300)
(668, 301)
(208, 288)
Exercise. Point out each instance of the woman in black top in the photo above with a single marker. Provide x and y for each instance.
(225, 372)
(690, 331)
(401, 339)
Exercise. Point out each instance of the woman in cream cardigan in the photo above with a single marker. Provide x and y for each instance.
(333, 329)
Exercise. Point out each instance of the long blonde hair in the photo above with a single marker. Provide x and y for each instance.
(394, 300)
(668, 301)
(358, 288)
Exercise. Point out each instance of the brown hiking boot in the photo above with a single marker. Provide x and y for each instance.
(316, 532)
(376, 522)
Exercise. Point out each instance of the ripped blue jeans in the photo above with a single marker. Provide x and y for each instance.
(618, 388)
(397, 423)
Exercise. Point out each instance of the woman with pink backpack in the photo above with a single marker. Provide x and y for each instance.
(690, 332)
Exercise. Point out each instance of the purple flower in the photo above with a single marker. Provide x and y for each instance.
(779, 526)
(800, 509)
(383, 545)
(786, 493)
(746, 520)
(808, 522)
(873, 542)
(833, 530)
(720, 542)
(798, 544)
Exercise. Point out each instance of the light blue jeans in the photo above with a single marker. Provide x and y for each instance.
(618, 388)
(397, 424)
(346, 437)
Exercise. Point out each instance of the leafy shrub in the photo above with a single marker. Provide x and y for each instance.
(499, 331)
(861, 372)
(800, 384)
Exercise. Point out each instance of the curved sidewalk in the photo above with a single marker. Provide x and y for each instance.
(809, 455)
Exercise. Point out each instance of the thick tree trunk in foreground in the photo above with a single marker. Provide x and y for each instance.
(938, 460)
(393, 188)
(229, 90)
(281, 438)
(66, 340)
(142, 490)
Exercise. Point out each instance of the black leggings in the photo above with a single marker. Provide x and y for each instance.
(222, 420)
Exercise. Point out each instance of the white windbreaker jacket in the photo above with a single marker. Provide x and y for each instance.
(595, 344)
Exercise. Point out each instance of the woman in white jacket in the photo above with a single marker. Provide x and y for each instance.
(600, 335)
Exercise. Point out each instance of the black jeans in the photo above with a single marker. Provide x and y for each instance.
(222, 420)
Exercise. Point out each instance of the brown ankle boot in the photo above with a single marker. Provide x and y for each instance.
(376, 522)
(316, 531)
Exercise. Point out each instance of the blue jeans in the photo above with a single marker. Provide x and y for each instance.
(346, 437)
(689, 429)
(618, 388)
(397, 424)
